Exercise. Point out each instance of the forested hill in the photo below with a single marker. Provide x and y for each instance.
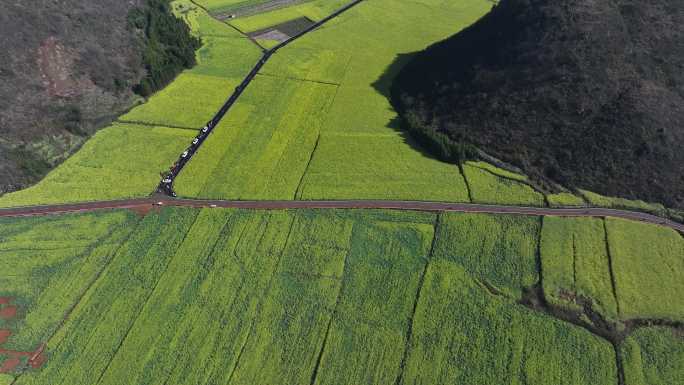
(587, 93)
(68, 67)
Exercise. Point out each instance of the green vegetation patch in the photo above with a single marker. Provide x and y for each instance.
(490, 338)
(565, 199)
(121, 161)
(378, 167)
(487, 187)
(498, 249)
(262, 148)
(653, 356)
(383, 273)
(648, 265)
(85, 345)
(575, 265)
(225, 57)
(621, 203)
(49, 262)
(200, 22)
(323, 65)
(189, 102)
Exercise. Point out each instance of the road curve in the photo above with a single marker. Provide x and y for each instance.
(148, 203)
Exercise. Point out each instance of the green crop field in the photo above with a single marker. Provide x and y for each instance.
(621, 203)
(498, 249)
(565, 199)
(47, 265)
(121, 161)
(189, 102)
(488, 187)
(263, 147)
(575, 264)
(654, 356)
(359, 154)
(300, 296)
(648, 265)
(490, 338)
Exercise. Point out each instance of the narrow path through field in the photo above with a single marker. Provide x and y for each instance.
(143, 204)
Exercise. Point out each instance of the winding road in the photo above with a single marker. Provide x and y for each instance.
(145, 204)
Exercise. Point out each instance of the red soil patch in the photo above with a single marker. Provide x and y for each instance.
(5, 300)
(8, 312)
(36, 358)
(4, 335)
(10, 364)
(145, 209)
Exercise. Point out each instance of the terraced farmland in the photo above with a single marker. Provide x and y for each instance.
(324, 296)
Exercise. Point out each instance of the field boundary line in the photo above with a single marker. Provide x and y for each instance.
(611, 266)
(144, 305)
(148, 124)
(298, 192)
(333, 312)
(297, 79)
(416, 299)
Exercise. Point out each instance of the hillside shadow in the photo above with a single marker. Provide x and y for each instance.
(383, 85)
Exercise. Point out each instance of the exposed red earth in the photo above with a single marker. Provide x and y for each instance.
(13, 358)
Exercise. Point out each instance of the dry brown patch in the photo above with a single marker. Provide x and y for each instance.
(56, 62)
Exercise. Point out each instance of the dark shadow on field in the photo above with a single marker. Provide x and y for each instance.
(383, 85)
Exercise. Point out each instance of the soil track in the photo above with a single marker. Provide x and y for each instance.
(146, 204)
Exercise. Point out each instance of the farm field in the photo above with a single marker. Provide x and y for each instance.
(576, 266)
(244, 297)
(359, 154)
(645, 280)
(261, 149)
(120, 161)
(653, 356)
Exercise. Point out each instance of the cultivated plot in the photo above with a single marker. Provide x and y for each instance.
(576, 267)
(653, 356)
(121, 161)
(219, 296)
(648, 265)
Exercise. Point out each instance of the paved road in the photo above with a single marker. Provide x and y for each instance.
(148, 203)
